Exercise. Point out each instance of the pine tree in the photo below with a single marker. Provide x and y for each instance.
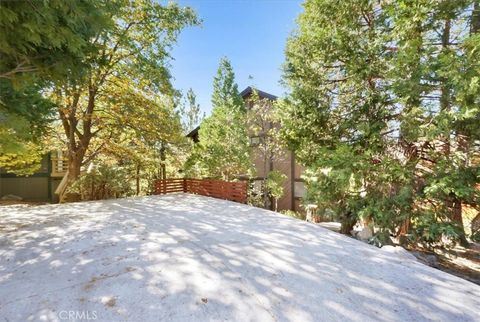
(223, 151)
(337, 115)
(383, 112)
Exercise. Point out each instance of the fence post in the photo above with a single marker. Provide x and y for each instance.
(245, 191)
(184, 185)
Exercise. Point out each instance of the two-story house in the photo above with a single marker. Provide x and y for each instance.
(283, 160)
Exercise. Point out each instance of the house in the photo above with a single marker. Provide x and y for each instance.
(284, 160)
(41, 185)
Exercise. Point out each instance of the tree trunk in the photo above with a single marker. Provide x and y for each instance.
(453, 204)
(162, 162)
(346, 227)
(138, 179)
(457, 218)
(264, 183)
(404, 227)
(462, 136)
(445, 96)
(410, 150)
(77, 142)
(348, 222)
(74, 165)
(265, 193)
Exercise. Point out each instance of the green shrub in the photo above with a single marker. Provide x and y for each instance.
(274, 185)
(429, 230)
(293, 214)
(103, 182)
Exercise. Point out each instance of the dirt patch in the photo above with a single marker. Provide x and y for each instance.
(95, 279)
(458, 261)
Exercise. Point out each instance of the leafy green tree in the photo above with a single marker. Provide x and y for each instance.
(134, 51)
(337, 114)
(274, 185)
(149, 141)
(24, 118)
(435, 50)
(223, 150)
(104, 181)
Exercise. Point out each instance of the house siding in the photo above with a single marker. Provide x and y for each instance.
(37, 187)
(284, 162)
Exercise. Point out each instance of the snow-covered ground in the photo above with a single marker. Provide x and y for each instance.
(182, 257)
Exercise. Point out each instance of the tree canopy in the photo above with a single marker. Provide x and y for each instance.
(379, 114)
(131, 63)
(24, 118)
(40, 41)
(50, 37)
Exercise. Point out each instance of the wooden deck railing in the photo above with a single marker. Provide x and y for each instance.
(234, 191)
(169, 185)
(59, 167)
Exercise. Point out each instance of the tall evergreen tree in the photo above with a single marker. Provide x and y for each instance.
(49, 37)
(40, 41)
(379, 112)
(223, 151)
(24, 119)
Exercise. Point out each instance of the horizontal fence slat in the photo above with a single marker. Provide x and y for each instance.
(234, 191)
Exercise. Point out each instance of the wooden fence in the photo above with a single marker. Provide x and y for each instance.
(234, 191)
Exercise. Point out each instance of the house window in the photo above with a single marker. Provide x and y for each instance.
(299, 189)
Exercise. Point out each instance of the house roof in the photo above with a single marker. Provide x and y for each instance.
(193, 134)
(249, 90)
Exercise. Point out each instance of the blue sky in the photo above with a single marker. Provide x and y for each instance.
(251, 33)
